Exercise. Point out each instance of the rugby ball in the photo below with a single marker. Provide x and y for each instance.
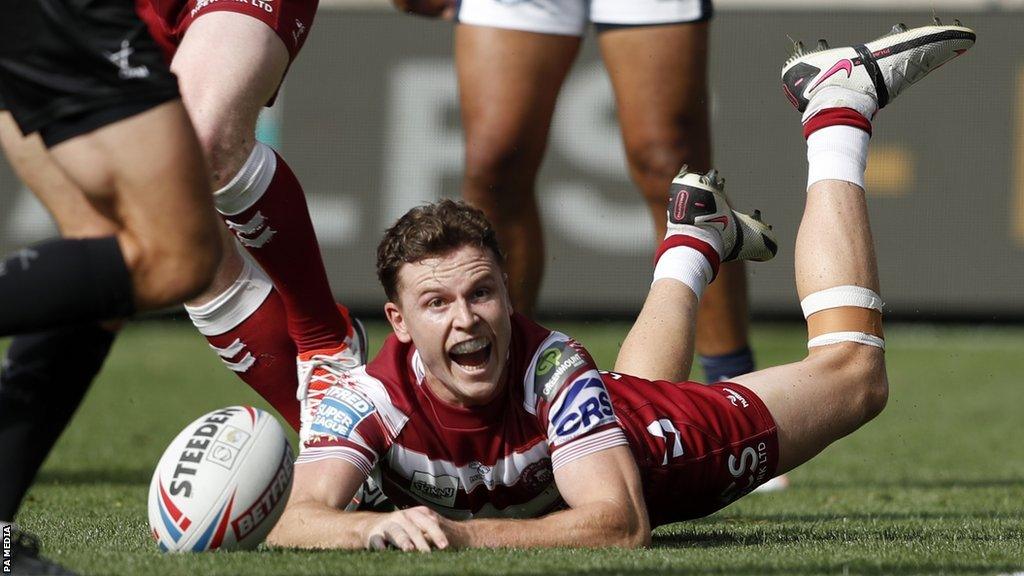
(222, 483)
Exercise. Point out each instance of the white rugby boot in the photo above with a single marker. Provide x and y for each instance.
(318, 370)
(881, 69)
(698, 200)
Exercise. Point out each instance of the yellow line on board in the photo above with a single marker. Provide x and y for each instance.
(891, 171)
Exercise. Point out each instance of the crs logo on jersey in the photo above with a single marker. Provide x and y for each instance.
(585, 406)
(340, 411)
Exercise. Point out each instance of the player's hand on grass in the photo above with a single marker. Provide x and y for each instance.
(444, 9)
(414, 529)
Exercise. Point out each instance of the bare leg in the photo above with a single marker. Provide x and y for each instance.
(75, 217)
(659, 74)
(137, 171)
(508, 84)
(660, 344)
(836, 388)
(229, 65)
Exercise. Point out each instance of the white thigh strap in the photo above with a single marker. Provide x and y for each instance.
(839, 296)
(837, 337)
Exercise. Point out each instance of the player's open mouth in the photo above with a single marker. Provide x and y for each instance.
(471, 354)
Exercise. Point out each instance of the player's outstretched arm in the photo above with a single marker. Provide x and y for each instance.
(315, 516)
(606, 508)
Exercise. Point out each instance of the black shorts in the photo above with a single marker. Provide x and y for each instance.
(68, 67)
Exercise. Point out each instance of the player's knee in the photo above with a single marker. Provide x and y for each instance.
(860, 371)
(877, 391)
(493, 168)
(173, 270)
(656, 159)
(225, 144)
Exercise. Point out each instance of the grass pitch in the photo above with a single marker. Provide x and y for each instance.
(934, 485)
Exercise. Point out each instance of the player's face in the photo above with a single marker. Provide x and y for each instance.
(455, 309)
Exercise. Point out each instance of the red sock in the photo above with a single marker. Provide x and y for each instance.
(247, 327)
(266, 209)
(262, 354)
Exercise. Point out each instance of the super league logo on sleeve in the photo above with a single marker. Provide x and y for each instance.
(585, 406)
(555, 365)
(341, 410)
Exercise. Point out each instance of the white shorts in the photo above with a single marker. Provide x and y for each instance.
(570, 17)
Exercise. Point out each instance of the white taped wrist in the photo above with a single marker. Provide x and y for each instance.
(249, 185)
(685, 265)
(839, 296)
(837, 337)
(837, 153)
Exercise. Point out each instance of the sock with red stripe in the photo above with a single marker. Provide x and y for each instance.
(837, 146)
(247, 326)
(264, 206)
(689, 254)
(837, 127)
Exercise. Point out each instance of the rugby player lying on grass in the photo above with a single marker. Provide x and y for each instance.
(489, 430)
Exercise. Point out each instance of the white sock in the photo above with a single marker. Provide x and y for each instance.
(686, 265)
(236, 304)
(837, 153)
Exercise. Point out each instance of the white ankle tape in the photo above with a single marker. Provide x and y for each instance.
(839, 296)
(686, 265)
(234, 305)
(837, 337)
(249, 184)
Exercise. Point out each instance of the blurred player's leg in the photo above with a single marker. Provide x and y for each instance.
(108, 110)
(45, 375)
(508, 83)
(702, 232)
(842, 383)
(131, 170)
(659, 74)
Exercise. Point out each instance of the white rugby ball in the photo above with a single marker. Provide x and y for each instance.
(222, 483)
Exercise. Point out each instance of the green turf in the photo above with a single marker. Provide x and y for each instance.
(934, 485)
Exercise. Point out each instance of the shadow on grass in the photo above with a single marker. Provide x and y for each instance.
(835, 568)
(116, 476)
(873, 516)
(825, 529)
(943, 483)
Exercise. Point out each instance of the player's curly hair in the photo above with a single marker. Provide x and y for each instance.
(432, 230)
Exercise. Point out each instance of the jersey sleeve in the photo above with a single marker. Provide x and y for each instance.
(344, 422)
(571, 402)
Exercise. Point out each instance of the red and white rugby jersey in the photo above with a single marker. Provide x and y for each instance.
(495, 460)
